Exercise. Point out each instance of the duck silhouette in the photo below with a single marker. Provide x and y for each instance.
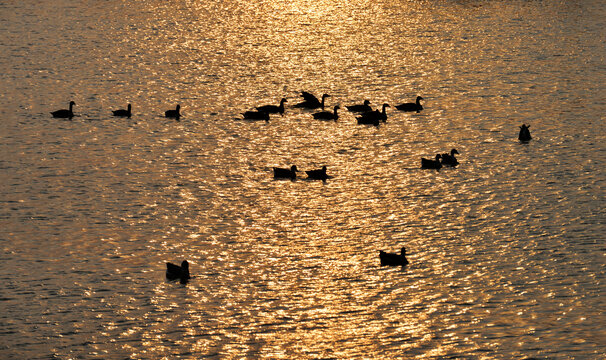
(319, 174)
(310, 101)
(65, 113)
(360, 108)
(391, 259)
(281, 173)
(122, 112)
(174, 272)
(373, 117)
(524, 134)
(327, 115)
(173, 113)
(273, 109)
(431, 164)
(415, 106)
(450, 159)
(256, 115)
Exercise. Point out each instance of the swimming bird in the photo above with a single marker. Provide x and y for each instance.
(256, 115)
(122, 112)
(431, 164)
(368, 121)
(450, 159)
(524, 135)
(273, 109)
(281, 173)
(373, 117)
(318, 174)
(310, 101)
(174, 272)
(416, 106)
(64, 113)
(360, 108)
(390, 259)
(173, 113)
(327, 115)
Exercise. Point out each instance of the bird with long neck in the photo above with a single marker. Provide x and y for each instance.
(65, 113)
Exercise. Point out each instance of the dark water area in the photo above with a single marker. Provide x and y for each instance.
(506, 251)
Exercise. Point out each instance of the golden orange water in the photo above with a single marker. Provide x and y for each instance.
(506, 251)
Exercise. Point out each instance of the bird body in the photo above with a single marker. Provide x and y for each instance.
(327, 115)
(368, 120)
(310, 101)
(391, 259)
(450, 159)
(360, 108)
(431, 164)
(273, 109)
(373, 117)
(65, 113)
(524, 134)
(173, 113)
(174, 272)
(415, 106)
(281, 173)
(256, 115)
(317, 174)
(122, 112)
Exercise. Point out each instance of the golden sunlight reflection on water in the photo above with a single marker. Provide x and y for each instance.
(504, 250)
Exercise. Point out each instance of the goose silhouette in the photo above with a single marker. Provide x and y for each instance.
(273, 109)
(431, 164)
(310, 101)
(327, 115)
(122, 112)
(360, 108)
(391, 259)
(319, 174)
(281, 173)
(174, 272)
(524, 134)
(256, 115)
(65, 113)
(173, 113)
(373, 117)
(415, 106)
(450, 159)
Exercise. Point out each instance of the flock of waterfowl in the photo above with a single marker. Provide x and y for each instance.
(69, 113)
(367, 116)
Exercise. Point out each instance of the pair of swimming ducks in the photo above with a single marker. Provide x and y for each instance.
(441, 160)
(181, 273)
(319, 174)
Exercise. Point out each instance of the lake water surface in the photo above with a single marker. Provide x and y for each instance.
(506, 251)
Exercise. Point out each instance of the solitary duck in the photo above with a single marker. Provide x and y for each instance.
(311, 102)
(450, 159)
(327, 115)
(524, 133)
(415, 106)
(65, 113)
(391, 259)
(122, 112)
(173, 113)
(431, 164)
(281, 173)
(360, 108)
(373, 117)
(256, 115)
(273, 109)
(318, 174)
(174, 272)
